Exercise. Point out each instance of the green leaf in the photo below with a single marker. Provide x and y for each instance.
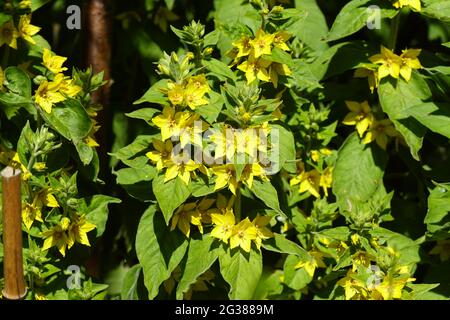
(96, 210)
(286, 147)
(219, 68)
(145, 114)
(200, 257)
(312, 27)
(17, 81)
(4, 18)
(354, 16)
(438, 215)
(36, 4)
(294, 278)
(269, 284)
(201, 187)
(130, 283)
(241, 271)
(70, 119)
(169, 4)
(11, 103)
(211, 111)
(129, 176)
(434, 116)
(139, 145)
(85, 152)
(170, 195)
(439, 9)
(154, 94)
(159, 251)
(280, 244)
(408, 248)
(266, 192)
(395, 97)
(211, 38)
(24, 144)
(358, 171)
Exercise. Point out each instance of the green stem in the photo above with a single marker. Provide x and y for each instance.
(395, 23)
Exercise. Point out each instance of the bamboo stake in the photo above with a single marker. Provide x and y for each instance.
(12, 235)
(97, 54)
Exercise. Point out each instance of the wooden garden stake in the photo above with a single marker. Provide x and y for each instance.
(12, 235)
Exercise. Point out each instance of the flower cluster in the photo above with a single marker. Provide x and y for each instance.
(25, 30)
(313, 180)
(256, 52)
(387, 63)
(363, 119)
(59, 88)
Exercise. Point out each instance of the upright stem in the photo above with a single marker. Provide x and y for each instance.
(395, 23)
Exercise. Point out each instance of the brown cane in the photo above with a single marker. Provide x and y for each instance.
(12, 235)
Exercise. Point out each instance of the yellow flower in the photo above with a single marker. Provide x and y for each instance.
(371, 75)
(175, 93)
(309, 181)
(27, 30)
(262, 44)
(11, 158)
(8, 35)
(183, 218)
(53, 62)
(361, 258)
(242, 235)
(226, 176)
(315, 261)
(262, 232)
(90, 139)
(380, 131)
(252, 170)
(33, 211)
(244, 47)
(48, 94)
(180, 166)
(224, 143)
(414, 4)
(360, 115)
(193, 96)
(25, 4)
(198, 83)
(354, 288)
(409, 62)
(389, 63)
(280, 39)
(57, 237)
(161, 153)
(78, 231)
(392, 288)
(171, 122)
(442, 248)
(68, 87)
(326, 179)
(355, 238)
(317, 154)
(278, 69)
(255, 69)
(224, 223)
(204, 210)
